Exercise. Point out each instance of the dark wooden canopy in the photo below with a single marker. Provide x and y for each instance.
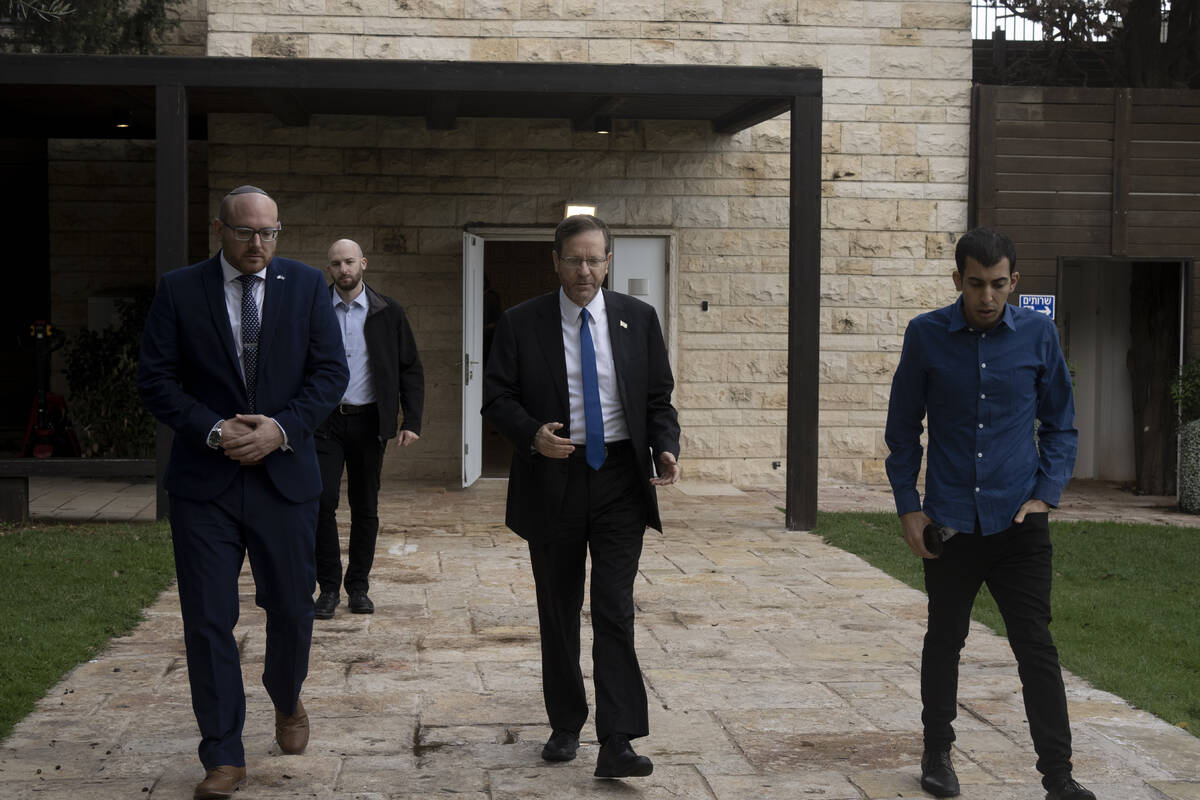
(168, 98)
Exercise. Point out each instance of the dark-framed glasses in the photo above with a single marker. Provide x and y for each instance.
(246, 234)
(575, 262)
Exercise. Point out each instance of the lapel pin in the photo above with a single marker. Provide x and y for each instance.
(623, 324)
(279, 277)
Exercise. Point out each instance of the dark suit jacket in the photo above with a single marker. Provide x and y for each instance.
(396, 369)
(525, 386)
(189, 378)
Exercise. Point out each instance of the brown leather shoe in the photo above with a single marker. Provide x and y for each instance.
(292, 732)
(219, 783)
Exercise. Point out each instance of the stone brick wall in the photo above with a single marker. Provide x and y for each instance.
(896, 129)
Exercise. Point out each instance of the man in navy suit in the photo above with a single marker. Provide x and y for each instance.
(578, 380)
(241, 357)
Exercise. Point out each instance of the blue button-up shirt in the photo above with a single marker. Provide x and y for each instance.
(351, 318)
(982, 391)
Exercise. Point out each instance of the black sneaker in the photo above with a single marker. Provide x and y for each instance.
(1068, 789)
(326, 603)
(937, 775)
(361, 604)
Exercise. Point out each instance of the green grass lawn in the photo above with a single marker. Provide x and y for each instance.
(1126, 603)
(65, 590)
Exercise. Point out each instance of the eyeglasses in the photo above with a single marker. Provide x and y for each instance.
(246, 234)
(574, 262)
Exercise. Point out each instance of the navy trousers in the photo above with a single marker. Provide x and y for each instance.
(602, 512)
(1016, 566)
(211, 539)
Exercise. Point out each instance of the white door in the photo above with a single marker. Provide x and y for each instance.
(472, 361)
(639, 269)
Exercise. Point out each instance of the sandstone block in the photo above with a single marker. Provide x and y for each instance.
(609, 51)
(943, 140)
(868, 214)
(846, 442)
(874, 472)
(899, 62)
(878, 168)
(871, 367)
(859, 137)
(758, 212)
(230, 45)
(634, 9)
(553, 50)
(867, 290)
(413, 48)
(693, 10)
(845, 395)
(745, 441)
(758, 290)
(916, 215)
(954, 16)
(919, 291)
(701, 212)
(699, 442)
(848, 60)
(707, 470)
(760, 367)
(837, 471)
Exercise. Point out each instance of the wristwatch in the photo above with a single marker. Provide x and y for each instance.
(214, 436)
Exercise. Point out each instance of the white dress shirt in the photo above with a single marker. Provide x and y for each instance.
(351, 317)
(233, 302)
(233, 307)
(615, 428)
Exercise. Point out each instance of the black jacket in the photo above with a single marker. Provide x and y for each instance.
(525, 386)
(395, 364)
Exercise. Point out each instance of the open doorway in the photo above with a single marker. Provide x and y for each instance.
(513, 272)
(1122, 324)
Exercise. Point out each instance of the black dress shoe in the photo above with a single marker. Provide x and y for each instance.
(361, 604)
(561, 746)
(326, 603)
(617, 760)
(937, 776)
(1068, 789)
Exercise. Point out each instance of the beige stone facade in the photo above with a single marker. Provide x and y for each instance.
(895, 151)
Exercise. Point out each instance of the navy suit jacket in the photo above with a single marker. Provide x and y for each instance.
(525, 386)
(188, 373)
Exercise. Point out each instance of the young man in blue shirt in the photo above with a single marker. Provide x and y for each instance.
(983, 371)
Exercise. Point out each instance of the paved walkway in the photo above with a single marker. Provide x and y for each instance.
(778, 668)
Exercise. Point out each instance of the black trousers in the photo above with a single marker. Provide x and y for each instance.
(1016, 566)
(350, 442)
(603, 514)
(211, 538)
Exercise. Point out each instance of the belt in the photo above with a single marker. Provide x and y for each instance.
(347, 409)
(617, 448)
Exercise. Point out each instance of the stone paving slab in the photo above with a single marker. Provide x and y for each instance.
(777, 667)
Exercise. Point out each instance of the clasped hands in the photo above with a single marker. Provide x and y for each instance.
(551, 446)
(249, 438)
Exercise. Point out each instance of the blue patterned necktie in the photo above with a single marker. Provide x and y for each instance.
(592, 416)
(250, 331)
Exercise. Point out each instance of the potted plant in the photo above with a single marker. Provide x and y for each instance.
(1185, 391)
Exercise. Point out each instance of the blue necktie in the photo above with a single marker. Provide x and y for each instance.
(250, 330)
(593, 418)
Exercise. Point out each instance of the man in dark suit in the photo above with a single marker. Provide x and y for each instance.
(578, 380)
(242, 359)
(385, 377)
